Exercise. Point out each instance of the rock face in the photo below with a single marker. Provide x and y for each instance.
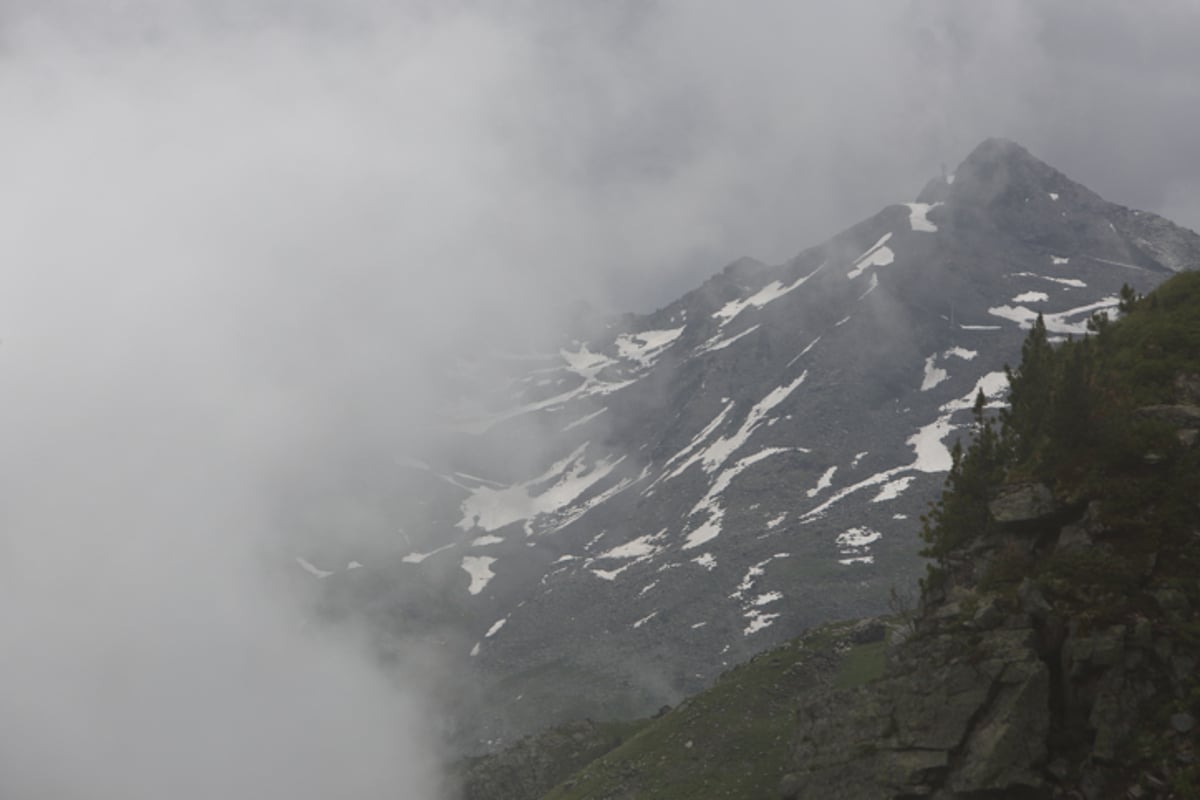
(940, 720)
(1023, 503)
(1041, 705)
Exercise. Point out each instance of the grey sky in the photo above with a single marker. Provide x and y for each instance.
(235, 237)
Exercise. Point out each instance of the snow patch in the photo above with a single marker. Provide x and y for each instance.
(767, 598)
(496, 626)
(647, 346)
(609, 574)
(918, 219)
(645, 619)
(417, 558)
(484, 541)
(710, 504)
(1055, 323)
(877, 256)
(717, 343)
(316, 572)
(480, 570)
(491, 509)
(804, 352)
(708, 561)
(1072, 282)
(933, 375)
(1053, 195)
(893, 489)
(857, 538)
(757, 620)
(1117, 263)
(769, 293)
(639, 548)
(583, 420)
(825, 481)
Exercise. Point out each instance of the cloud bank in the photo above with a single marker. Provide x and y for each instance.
(239, 241)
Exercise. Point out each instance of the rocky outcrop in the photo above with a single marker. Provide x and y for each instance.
(1023, 503)
(1039, 689)
(943, 719)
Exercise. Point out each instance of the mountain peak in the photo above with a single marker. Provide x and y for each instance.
(1000, 170)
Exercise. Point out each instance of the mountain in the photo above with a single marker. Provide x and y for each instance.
(1053, 653)
(608, 525)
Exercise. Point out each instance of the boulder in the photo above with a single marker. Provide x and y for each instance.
(1023, 503)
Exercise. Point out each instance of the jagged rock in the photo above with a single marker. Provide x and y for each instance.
(1083, 653)
(1023, 503)
(989, 615)
(941, 717)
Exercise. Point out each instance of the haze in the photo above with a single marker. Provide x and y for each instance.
(240, 240)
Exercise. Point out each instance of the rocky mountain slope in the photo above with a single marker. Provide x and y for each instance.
(626, 516)
(1054, 652)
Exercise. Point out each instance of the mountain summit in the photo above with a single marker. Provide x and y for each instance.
(751, 460)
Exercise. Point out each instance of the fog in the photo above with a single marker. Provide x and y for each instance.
(239, 241)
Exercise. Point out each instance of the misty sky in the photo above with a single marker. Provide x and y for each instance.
(239, 237)
(623, 150)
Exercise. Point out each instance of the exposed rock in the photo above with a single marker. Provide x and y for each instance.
(1033, 602)
(1023, 503)
(989, 615)
(1180, 416)
(969, 722)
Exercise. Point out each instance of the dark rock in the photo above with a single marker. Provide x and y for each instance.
(971, 721)
(868, 632)
(1033, 602)
(1024, 503)
(1083, 653)
(989, 615)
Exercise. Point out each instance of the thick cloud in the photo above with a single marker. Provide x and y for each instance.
(238, 238)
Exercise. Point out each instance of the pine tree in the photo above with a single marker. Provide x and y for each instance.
(1025, 421)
